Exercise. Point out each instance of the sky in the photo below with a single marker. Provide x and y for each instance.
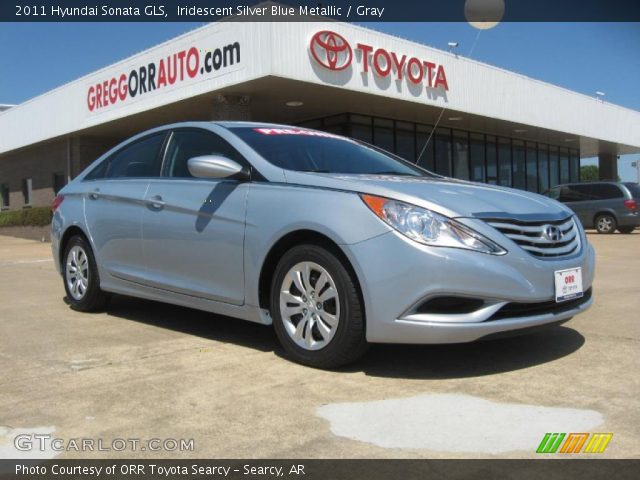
(585, 57)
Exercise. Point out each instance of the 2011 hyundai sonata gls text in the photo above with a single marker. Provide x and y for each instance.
(335, 242)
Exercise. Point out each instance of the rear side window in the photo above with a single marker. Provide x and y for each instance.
(634, 189)
(137, 160)
(187, 144)
(605, 191)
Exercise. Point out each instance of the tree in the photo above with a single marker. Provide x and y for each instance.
(589, 173)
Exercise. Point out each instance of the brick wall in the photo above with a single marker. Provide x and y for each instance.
(41, 162)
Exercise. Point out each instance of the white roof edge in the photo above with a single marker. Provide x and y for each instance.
(489, 65)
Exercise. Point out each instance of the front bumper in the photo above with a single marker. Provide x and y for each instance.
(398, 274)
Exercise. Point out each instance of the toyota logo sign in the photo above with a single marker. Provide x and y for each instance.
(331, 50)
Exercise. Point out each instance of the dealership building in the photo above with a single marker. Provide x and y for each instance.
(493, 125)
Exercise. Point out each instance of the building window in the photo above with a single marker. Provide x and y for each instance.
(504, 161)
(336, 124)
(519, 168)
(27, 190)
(564, 165)
(532, 167)
(492, 160)
(476, 157)
(4, 195)
(361, 128)
(554, 167)
(383, 134)
(443, 151)
(405, 141)
(426, 151)
(59, 181)
(461, 155)
(574, 165)
(543, 168)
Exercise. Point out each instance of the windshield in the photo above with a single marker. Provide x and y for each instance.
(307, 150)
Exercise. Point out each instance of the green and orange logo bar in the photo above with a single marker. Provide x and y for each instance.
(573, 442)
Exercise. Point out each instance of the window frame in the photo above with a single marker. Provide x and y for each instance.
(105, 163)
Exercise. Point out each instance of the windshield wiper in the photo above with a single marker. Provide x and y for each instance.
(314, 171)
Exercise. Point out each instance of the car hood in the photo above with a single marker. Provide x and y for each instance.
(450, 197)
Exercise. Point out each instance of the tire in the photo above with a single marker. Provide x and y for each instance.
(322, 328)
(80, 277)
(626, 229)
(606, 223)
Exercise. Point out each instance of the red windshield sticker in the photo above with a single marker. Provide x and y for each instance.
(296, 131)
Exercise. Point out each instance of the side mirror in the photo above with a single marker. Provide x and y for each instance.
(215, 166)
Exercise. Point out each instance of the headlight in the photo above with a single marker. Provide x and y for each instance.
(429, 228)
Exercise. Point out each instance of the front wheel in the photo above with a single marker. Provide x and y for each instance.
(317, 312)
(626, 229)
(606, 223)
(81, 280)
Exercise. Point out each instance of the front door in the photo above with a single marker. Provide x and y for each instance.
(193, 229)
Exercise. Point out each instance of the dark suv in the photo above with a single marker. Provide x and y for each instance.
(605, 206)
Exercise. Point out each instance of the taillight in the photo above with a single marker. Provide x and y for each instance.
(56, 202)
(631, 204)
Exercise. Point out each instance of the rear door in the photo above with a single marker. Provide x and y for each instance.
(193, 229)
(610, 198)
(114, 202)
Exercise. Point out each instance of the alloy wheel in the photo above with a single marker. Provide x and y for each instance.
(605, 224)
(309, 305)
(77, 272)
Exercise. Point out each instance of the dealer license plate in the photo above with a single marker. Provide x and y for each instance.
(568, 284)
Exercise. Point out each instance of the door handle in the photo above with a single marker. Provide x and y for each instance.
(95, 194)
(156, 202)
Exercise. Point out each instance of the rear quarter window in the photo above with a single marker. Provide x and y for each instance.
(634, 190)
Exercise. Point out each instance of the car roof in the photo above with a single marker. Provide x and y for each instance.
(226, 124)
(590, 183)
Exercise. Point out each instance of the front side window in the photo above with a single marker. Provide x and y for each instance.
(140, 159)
(554, 193)
(313, 151)
(574, 193)
(187, 144)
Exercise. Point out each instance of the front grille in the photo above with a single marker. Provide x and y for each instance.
(534, 236)
(515, 310)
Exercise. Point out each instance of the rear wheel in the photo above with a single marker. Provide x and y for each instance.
(606, 223)
(626, 229)
(317, 312)
(81, 280)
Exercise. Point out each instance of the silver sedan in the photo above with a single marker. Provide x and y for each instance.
(335, 242)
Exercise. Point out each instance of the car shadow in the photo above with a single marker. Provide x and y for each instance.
(391, 361)
(194, 322)
(474, 359)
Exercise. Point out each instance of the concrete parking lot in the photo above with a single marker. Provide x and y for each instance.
(145, 370)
